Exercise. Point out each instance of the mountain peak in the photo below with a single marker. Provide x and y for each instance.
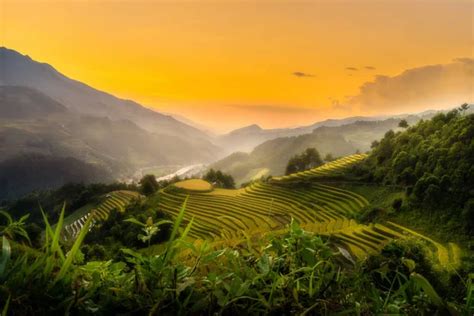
(247, 129)
(6, 52)
(21, 70)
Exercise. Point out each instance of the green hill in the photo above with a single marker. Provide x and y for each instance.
(233, 215)
(434, 161)
(273, 155)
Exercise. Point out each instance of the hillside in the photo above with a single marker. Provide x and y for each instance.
(33, 123)
(263, 207)
(245, 139)
(25, 173)
(234, 245)
(434, 160)
(273, 155)
(83, 102)
(21, 70)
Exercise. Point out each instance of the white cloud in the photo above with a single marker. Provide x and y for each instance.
(433, 86)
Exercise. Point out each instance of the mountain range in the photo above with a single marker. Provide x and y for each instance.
(340, 138)
(45, 115)
(58, 124)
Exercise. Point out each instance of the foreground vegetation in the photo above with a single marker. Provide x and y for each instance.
(338, 238)
(296, 272)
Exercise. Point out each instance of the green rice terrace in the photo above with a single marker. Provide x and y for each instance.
(223, 214)
(116, 200)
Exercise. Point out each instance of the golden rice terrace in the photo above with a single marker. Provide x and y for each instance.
(261, 207)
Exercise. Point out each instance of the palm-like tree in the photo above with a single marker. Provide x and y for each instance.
(12, 229)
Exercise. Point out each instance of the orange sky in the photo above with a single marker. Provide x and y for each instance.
(230, 63)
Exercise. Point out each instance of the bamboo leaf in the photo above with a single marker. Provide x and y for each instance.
(75, 248)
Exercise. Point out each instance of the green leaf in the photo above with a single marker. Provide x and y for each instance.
(75, 248)
(187, 229)
(174, 232)
(409, 263)
(57, 234)
(425, 285)
(134, 221)
(6, 254)
(8, 217)
(49, 231)
(5, 308)
(162, 222)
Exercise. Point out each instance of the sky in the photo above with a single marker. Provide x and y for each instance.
(226, 64)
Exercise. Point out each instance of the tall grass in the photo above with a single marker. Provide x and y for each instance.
(296, 272)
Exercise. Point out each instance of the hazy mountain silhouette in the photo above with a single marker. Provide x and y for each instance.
(245, 139)
(21, 70)
(338, 137)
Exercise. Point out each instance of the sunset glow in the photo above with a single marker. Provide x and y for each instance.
(226, 64)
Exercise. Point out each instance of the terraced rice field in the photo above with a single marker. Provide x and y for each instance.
(115, 200)
(333, 168)
(194, 185)
(322, 209)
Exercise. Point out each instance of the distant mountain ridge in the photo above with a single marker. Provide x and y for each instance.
(47, 119)
(271, 156)
(21, 70)
(247, 138)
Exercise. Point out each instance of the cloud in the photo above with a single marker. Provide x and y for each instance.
(352, 69)
(369, 68)
(433, 86)
(300, 74)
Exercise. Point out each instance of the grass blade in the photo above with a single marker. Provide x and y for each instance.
(5, 308)
(48, 229)
(174, 232)
(6, 254)
(75, 248)
(57, 234)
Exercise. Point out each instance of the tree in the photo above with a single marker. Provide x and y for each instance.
(148, 184)
(309, 159)
(219, 179)
(403, 123)
(329, 157)
(463, 108)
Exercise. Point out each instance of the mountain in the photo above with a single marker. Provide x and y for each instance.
(29, 172)
(21, 70)
(21, 103)
(62, 132)
(247, 138)
(38, 133)
(271, 157)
